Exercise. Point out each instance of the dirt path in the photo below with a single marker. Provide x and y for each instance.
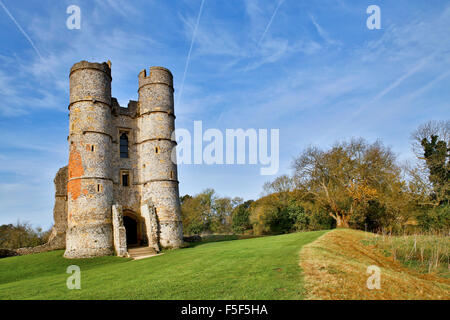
(335, 267)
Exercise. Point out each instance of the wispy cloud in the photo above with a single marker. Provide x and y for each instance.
(123, 7)
(323, 33)
(429, 85)
(411, 72)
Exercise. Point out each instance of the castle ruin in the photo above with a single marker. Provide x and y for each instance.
(122, 186)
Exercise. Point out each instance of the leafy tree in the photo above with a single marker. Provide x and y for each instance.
(241, 217)
(184, 198)
(272, 214)
(221, 217)
(437, 155)
(299, 215)
(343, 180)
(430, 178)
(197, 213)
(435, 219)
(207, 212)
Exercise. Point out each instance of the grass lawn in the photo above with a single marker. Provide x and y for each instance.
(259, 268)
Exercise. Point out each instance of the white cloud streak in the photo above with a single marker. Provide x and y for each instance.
(266, 30)
(280, 2)
(188, 59)
(322, 33)
(22, 31)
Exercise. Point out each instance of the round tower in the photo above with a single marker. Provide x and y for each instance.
(90, 187)
(158, 174)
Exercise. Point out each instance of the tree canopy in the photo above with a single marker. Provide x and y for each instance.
(347, 177)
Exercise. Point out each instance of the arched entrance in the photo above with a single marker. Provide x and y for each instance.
(134, 225)
(131, 227)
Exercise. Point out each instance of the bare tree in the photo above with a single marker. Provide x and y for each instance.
(283, 183)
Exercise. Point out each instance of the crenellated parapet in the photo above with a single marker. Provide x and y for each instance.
(104, 67)
(157, 75)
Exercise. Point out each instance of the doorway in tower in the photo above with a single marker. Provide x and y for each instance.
(131, 226)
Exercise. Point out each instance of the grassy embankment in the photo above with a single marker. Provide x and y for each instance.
(426, 253)
(259, 268)
(335, 266)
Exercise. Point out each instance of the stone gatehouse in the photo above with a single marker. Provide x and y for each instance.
(120, 188)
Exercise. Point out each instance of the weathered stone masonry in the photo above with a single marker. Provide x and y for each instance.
(119, 161)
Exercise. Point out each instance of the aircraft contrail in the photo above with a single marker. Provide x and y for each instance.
(21, 30)
(190, 51)
(280, 2)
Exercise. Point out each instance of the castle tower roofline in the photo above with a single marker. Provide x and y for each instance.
(158, 75)
(144, 71)
(104, 67)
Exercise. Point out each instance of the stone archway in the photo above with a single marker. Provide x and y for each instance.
(132, 225)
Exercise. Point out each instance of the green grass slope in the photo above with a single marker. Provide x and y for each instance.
(260, 268)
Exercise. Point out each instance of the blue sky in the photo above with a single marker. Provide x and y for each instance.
(309, 68)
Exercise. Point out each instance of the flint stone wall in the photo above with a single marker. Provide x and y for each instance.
(120, 236)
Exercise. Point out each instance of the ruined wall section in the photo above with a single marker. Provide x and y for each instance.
(57, 238)
(158, 174)
(90, 186)
(58, 235)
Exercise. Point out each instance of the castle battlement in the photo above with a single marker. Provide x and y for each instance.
(157, 75)
(104, 67)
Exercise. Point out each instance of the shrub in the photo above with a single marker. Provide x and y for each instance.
(435, 219)
(21, 235)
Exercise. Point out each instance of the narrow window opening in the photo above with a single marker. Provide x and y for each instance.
(125, 179)
(92, 148)
(171, 174)
(99, 187)
(124, 145)
(156, 150)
